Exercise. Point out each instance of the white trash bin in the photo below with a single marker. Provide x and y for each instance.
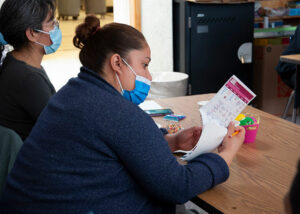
(168, 84)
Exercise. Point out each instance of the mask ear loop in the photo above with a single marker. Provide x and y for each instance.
(41, 31)
(120, 83)
(40, 44)
(129, 66)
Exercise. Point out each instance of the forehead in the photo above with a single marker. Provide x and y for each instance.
(145, 52)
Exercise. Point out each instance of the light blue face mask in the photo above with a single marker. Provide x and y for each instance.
(55, 36)
(141, 89)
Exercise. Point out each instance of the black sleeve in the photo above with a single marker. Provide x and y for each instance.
(295, 192)
(34, 94)
(293, 48)
(164, 131)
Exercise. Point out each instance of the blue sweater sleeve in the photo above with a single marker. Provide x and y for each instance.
(141, 147)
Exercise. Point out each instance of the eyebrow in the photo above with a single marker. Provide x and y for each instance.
(148, 58)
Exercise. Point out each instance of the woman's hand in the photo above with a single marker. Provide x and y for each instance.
(231, 144)
(185, 139)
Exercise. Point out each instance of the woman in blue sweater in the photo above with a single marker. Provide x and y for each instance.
(94, 150)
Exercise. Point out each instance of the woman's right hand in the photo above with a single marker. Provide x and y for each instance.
(231, 144)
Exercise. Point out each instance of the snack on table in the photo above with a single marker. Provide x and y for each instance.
(173, 128)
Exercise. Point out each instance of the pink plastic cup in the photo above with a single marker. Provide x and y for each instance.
(251, 131)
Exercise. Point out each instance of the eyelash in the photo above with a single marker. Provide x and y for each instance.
(146, 65)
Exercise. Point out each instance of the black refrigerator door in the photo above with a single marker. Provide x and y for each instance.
(217, 31)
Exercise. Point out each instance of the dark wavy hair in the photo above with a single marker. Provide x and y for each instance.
(18, 15)
(97, 43)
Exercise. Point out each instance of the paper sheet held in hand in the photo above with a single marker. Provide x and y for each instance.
(223, 108)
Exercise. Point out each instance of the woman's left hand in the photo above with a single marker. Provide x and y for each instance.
(185, 139)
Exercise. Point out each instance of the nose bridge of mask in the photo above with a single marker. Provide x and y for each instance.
(143, 79)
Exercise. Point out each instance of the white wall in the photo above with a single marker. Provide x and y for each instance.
(1, 2)
(122, 11)
(156, 27)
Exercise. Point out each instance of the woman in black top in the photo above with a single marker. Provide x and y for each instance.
(287, 71)
(29, 26)
(291, 200)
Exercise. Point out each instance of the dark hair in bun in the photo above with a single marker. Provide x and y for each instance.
(97, 44)
(85, 30)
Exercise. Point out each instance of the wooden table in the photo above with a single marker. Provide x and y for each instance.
(295, 59)
(261, 173)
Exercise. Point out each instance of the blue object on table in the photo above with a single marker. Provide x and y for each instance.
(174, 117)
(294, 11)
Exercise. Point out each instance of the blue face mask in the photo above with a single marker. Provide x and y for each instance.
(140, 91)
(55, 36)
(2, 41)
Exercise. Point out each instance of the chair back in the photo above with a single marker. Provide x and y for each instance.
(10, 144)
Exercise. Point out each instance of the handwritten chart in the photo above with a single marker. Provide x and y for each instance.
(230, 101)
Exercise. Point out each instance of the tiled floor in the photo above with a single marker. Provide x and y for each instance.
(64, 64)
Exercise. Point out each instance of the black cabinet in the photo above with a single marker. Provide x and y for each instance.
(212, 42)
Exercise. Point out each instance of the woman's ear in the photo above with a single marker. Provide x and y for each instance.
(31, 35)
(116, 63)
